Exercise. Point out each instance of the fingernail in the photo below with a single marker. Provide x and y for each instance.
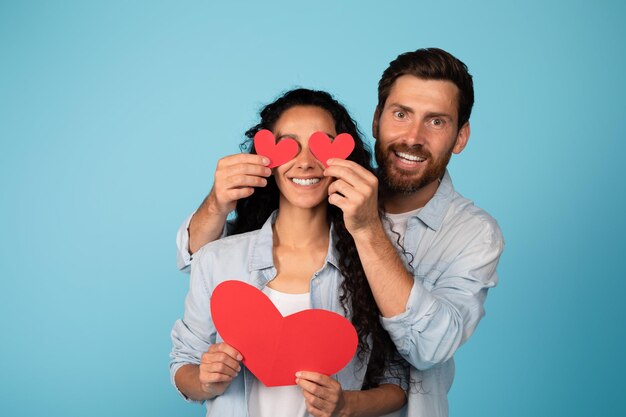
(266, 161)
(298, 374)
(239, 357)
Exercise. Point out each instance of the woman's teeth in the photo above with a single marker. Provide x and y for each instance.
(305, 181)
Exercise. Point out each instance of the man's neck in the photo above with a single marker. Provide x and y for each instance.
(401, 203)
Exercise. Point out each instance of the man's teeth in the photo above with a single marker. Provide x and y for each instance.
(410, 157)
(305, 181)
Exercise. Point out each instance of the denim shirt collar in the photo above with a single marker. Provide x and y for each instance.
(262, 256)
(433, 213)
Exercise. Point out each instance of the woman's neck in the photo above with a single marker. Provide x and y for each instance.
(300, 247)
(301, 228)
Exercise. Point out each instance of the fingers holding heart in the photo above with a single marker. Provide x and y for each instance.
(218, 367)
(342, 189)
(235, 177)
(323, 395)
(355, 192)
(220, 363)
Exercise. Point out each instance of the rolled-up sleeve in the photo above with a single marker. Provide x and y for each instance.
(183, 257)
(437, 321)
(195, 333)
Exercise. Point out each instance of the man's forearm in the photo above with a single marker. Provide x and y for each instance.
(388, 278)
(374, 402)
(206, 225)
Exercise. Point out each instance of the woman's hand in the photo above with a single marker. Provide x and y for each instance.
(218, 367)
(323, 395)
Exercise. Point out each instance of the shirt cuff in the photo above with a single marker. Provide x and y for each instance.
(183, 257)
(412, 319)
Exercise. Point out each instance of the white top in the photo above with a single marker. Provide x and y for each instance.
(280, 401)
(397, 223)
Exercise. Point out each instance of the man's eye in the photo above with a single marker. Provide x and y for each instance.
(437, 122)
(399, 114)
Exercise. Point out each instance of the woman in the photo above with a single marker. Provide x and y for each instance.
(289, 242)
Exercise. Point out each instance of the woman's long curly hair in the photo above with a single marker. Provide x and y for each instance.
(356, 296)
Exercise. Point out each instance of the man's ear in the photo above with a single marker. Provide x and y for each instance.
(375, 123)
(461, 138)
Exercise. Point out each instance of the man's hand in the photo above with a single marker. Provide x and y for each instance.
(323, 395)
(235, 177)
(218, 367)
(355, 192)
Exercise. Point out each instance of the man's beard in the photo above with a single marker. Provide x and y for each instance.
(398, 181)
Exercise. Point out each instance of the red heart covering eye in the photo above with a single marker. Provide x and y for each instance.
(323, 149)
(278, 153)
(274, 347)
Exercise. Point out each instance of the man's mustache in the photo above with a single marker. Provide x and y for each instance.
(415, 150)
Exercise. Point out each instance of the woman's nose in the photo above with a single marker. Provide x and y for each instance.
(305, 158)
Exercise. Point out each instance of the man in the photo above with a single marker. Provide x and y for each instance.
(432, 258)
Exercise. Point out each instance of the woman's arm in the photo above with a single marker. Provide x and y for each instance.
(217, 369)
(201, 368)
(384, 399)
(325, 398)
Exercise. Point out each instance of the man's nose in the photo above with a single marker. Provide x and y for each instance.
(415, 134)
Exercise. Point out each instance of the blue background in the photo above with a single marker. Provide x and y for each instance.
(113, 115)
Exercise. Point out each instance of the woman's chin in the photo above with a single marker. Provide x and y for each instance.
(306, 204)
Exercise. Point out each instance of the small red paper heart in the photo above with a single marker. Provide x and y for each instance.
(274, 347)
(278, 153)
(323, 149)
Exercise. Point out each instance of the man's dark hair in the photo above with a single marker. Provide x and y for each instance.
(430, 64)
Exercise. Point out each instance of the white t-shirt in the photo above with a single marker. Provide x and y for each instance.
(280, 401)
(397, 223)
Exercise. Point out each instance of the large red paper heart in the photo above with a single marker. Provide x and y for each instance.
(323, 149)
(274, 347)
(278, 153)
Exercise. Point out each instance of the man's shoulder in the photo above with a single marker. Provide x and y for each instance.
(466, 217)
(229, 247)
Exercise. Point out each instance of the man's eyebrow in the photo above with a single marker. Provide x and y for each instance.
(402, 107)
(439, 114)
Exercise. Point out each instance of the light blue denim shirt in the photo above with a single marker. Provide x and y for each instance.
(248, 257)
(452, 249)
